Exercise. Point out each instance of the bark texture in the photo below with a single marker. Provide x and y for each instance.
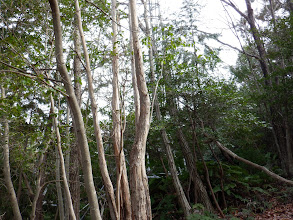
(123, 200)
(102, 160)
(6, 167)
(62, 165)
(259, 167)
(172, 166)
(38, 197)
(75, 150)
(140, 199)
(76, 113)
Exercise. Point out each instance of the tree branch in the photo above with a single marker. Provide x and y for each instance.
(235, 8)
(33, 76)
(229, 45)
(259, 167)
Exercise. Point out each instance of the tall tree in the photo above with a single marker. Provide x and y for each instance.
(140, 198)
(74, 153)
(76, 113)
(6, 166)
(62, 164)
(122, 187)
(102, 160)
(172, 166)
(276, 112)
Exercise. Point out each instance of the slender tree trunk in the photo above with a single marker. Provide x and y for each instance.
(122, 192)
(75, 150)
(102, 160)
(6, 167)
(177, 185)
(40, 200)
(76, 113)
(58, 186)
(257, 40)
(188, 155)
(288, 147)
(140, 199)
(256, 36)
(134, 81)
(201, 191)
(36, 208)
(62, 165)
(262, 168)
(67, 161)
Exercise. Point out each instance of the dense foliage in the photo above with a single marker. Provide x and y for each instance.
(250, 113)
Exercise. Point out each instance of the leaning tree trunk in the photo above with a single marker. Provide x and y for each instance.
(74, 154)
(172, 166)
(201, 191)
(6, 167)
(76, 113)
(62, 165)
(277, 122)
(140, 199)
(102, 160)
(122, 189)
(60, 200)
(38, 196)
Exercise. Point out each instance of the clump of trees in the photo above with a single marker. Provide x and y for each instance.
(110, 113)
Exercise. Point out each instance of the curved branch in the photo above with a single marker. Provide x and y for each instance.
(259, 167)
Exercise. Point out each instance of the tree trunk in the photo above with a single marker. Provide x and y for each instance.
(74, 169)
(172, 166)
(259, 167)
(102, 160)
(76, 113)
(123, 200)
(6, 167)
(140, 199)
(62, 166)
(201, 191)
(188, 155)
(38, 197)
(288, 147)
(58, 186)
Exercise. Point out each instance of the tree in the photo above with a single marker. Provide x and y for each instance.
(6, 167)
(277, 116)
(123, 194)
(76, 113)
(140, 199)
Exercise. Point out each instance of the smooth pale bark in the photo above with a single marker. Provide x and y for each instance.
(6, 167)
(140, 199)
(58, 186)
(67, 161)
(74, 151)
(62, 164)
(259, 167)
(76, 113)
(102, 160)
(172, 166)
(134, 81)
(123, 200)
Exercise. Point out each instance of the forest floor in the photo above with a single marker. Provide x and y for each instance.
(280, 207)
(278, 211)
